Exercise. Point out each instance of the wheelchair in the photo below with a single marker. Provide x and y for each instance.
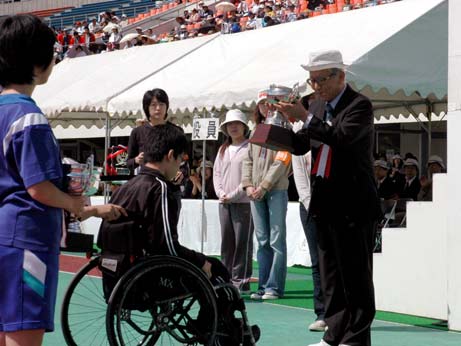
(161, 300)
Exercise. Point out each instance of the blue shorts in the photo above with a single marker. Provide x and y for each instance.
(28, 289)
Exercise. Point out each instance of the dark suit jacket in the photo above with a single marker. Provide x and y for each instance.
(387, 189)
(350, 193)
(412, 190)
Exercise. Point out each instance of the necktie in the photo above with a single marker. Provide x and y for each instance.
(328, 112)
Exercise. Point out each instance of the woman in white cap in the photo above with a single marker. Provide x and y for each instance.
(265, 179)
(193, 188)
(234, 207)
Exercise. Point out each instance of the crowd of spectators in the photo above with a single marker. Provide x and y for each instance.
(401, 179)
(104, 32)
(89, 37)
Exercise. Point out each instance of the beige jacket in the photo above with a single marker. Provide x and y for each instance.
(266, 168)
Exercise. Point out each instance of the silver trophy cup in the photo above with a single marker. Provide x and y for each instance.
(275, 94)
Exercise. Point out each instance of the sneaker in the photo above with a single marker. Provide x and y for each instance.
(321, 343)
(257, 295)
(318, 326)
(270, 296)
(256, 335)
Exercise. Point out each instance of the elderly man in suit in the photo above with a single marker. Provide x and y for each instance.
(345, 204)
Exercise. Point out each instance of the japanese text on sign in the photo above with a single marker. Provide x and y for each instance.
(205, 129)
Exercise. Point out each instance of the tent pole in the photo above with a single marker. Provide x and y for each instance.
(106, 150)
(429, 131)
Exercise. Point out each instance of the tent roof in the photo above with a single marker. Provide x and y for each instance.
(88, 83)
(399, 51)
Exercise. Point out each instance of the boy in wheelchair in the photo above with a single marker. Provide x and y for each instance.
(153, 211)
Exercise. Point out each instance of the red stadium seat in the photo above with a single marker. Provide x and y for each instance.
(332, 9)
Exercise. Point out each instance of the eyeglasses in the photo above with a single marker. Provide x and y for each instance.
(320, 80)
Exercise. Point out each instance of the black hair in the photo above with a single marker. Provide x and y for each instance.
(163, 138)
(160, 95)
(258, 117)
(25, 42)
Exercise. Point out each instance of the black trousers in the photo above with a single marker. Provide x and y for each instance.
(346, 271)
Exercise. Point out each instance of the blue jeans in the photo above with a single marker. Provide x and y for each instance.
(269, 216)
(310, 230)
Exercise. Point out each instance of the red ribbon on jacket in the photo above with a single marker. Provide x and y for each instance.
(322, 164)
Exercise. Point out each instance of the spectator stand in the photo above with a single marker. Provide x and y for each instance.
(45, 14)
(160, 19)
(69, 17)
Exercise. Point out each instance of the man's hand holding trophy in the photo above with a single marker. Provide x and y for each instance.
(283, 103)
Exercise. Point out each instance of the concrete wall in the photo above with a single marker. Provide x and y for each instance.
(36, 5)
(419, 270)
(410, 274)
(454, 168)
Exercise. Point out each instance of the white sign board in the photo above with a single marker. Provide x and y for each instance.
(205, 129)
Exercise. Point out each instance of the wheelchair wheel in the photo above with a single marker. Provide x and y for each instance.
(84, 308)
(163, 301)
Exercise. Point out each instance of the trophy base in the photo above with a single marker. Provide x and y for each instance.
(272, 137)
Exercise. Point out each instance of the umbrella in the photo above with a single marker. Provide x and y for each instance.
(110, 26)
(72, 52)
(225, 6)
(129, 37)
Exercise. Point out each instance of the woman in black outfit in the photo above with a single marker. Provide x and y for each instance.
(155, 104)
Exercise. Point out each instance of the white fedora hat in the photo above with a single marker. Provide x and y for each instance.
(234, 115)
(324, 59)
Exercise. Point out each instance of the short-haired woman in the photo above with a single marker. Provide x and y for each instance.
(30, 181)
(155, 104)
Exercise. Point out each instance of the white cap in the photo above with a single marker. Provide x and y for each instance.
(262, 95)
(436, 159)
(234, 115)
(411, 162)
(324, 59)
(208, 164)
(381, 163)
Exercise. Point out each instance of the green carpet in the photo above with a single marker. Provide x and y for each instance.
(299, 293)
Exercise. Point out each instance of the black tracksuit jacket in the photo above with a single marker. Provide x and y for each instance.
(149, 195)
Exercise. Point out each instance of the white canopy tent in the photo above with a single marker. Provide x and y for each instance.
(397, 52)
(235, 67)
